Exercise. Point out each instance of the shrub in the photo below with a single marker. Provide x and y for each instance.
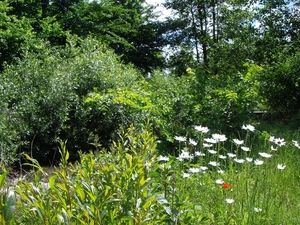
(219, 101)
(9, 138)
(45, 95)
(280, 86)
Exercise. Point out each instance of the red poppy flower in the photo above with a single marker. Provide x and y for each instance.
(226, 185)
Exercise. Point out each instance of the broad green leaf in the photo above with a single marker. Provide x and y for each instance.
(9, 205)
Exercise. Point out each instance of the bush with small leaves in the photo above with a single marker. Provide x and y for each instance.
(44, 96)
(280, 86)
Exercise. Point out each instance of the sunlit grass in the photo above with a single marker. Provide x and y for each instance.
(251, 183)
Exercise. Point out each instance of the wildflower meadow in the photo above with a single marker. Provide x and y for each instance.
(210, 178)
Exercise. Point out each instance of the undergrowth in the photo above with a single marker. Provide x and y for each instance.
(203, 182)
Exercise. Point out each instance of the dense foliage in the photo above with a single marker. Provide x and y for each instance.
(128, 27)
(120, 101)
(45, 93)
(280, 86)
(15, 35)
(61, 77)
(207, 183)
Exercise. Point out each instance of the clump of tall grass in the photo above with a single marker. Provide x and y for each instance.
(211, 179)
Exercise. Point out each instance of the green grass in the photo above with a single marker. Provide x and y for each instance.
(133, 184)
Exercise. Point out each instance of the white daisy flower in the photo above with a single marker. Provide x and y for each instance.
(201, 129)
(210, 140)
(163, 166)
(231, 155)
(245, 149)
(212, 151)
(205, 145)
(249, 159)
(258, 162)
(194, 170)
(219, 137)
(219, 181)
(192, 142)
(180, 138)
(238, 142)
(204, 168)
(257, 209)
(184, 155)
(296, 144)
(197, 153)
(239, 160)
(222, 156)
(221, 171)
(281, 166)
(229, 200)
(279, 141)
(213, 163)
(248, 127)
(265, 155)
(186, 175)
(162, 158)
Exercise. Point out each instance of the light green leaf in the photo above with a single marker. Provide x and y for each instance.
(52, 181)
(80, 192)
(67, 155)
(2, 179)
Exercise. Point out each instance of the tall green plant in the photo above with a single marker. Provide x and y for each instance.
(113, 187)
(7, 200)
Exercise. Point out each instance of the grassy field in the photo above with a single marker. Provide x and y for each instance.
(251, 177)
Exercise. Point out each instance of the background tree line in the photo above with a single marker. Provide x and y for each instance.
(216, 34)
(78, 70)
